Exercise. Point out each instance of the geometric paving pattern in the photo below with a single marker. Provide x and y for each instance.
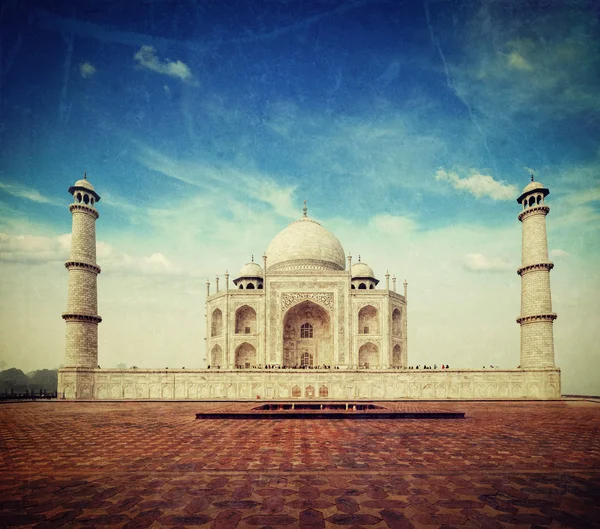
(152, 464)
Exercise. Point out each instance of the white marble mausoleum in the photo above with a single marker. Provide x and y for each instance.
(307, 323)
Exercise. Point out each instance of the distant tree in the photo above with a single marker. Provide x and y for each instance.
(2, 365)
(121, 365)
(43, 379)
(13, 379)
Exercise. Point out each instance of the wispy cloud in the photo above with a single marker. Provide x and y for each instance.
(36, 250)
(218, 181)
(478, 262)
(479, 185)
(146, 58)
(547, 74)
(517, 61)
(87, 70)
(28, 194)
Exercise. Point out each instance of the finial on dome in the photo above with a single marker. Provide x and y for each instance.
(359, 258)
(84, 175)
(532, 179)
(305, 209)
(252, 257)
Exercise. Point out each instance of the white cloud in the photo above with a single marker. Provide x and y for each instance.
(478, 262)
(557, 253)
(33, 249)
(479, 185)
(87, 70)
(29, 194)
(146, 58)
(392, 225)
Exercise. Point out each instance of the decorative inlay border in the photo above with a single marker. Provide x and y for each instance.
(84, 209)
(533, 209)
(288, 299)
(538, 266)
(536, 317)
(82, 317)
(303, 264)
(83, 266)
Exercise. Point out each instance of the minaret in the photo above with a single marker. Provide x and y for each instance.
(536, 319)
(82, 318)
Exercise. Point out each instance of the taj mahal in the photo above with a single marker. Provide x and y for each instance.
(308, 324)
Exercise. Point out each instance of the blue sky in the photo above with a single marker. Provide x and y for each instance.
(409, 127)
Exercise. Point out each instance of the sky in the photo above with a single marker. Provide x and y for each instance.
(410, 128)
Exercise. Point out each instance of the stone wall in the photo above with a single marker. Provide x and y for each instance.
(323, 384)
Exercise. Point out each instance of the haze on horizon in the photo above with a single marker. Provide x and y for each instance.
(409, 127)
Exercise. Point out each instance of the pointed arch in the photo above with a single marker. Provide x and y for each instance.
(397, 356)
(397, 322)
(216, 356)
(368, 356)
(216, 323)
(307, 328)
(245, 320)
(368, 320)
(245, 355)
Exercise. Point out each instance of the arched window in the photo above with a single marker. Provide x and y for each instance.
(371, 287)
(368, 356)
(250, 286)
(539, 198)
(245, 356)
(353, 287)
(362, 286)
(296, 392)
(397, 322)
(245, 320)
(92, 201)
(323, 391)
(78, 197)
(531, 201)
(86, 199)
(241, 287)
(260, 286)
(216, 323)
(397, 356)
(216, 356)
(306, 330)
(368, 320)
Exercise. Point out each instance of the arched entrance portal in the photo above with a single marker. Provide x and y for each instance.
(307, 337)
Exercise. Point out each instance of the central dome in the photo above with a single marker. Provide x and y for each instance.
(305, 245)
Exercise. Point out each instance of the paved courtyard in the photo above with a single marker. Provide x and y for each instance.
(150, 464)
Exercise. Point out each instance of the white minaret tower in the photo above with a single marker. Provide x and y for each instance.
(82, 318)
(536, 319)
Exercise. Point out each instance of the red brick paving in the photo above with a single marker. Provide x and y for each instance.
(94, 464)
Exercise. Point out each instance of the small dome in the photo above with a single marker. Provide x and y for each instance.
(362, 270)
(84, 182)
(305, 244)
(251, 270)
(532, 186)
